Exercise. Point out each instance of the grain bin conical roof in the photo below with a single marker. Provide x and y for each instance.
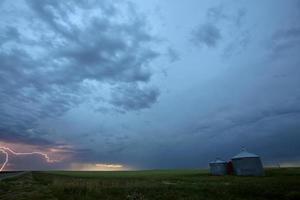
(245, 154)
(218, 161)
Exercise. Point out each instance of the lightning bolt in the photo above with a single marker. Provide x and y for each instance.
(6, 150)
(6, 160)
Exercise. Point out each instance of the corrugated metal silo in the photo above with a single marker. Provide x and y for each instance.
(247, 164)
(218, 167)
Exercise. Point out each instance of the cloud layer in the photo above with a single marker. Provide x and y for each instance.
(53, 53)
(207, 34)
(149, 85)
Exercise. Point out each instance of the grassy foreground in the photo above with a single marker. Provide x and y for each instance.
(172, 184)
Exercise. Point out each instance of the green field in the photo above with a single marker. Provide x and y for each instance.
(158, 184)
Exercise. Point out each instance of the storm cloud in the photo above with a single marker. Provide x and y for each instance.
(207, 34)
(149, 84)
(51, 53)
(286, 39)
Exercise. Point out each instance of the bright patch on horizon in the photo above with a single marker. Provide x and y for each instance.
(98, 167)
(109, 166)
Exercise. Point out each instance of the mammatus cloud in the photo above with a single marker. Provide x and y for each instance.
(285, 40)
(221, 22)
(133, 97)
(206, 34)
(173, 55)
(55, 51)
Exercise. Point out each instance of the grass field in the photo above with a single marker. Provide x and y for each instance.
(158, 184)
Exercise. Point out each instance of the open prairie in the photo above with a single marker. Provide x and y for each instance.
(281, 183)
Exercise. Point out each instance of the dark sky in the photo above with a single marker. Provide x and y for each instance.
(149, 84)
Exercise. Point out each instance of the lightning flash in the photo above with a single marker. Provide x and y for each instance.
(6, 151)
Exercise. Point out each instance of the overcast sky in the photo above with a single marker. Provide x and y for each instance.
(149, 84)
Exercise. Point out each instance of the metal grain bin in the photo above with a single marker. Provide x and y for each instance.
(247, 164)
(218, 167)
